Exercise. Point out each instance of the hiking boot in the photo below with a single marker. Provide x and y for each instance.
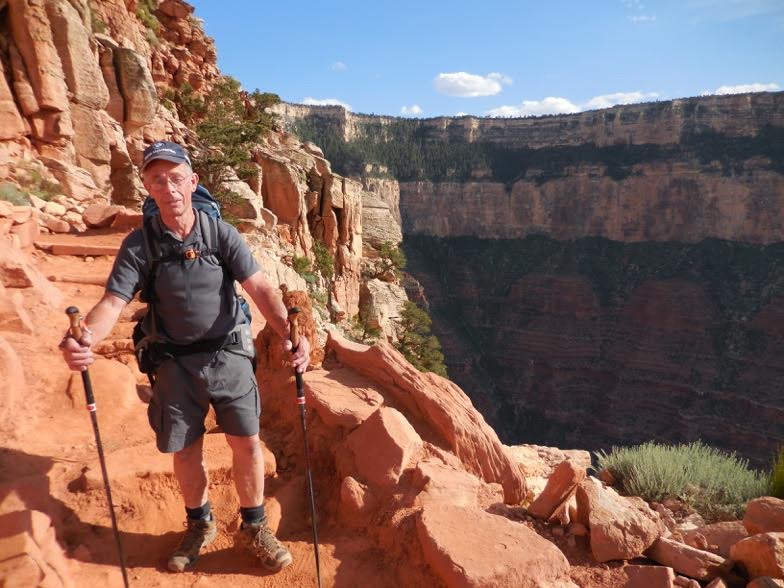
(261, 542)
(199, 534)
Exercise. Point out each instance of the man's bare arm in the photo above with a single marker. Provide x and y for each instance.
(99, 322)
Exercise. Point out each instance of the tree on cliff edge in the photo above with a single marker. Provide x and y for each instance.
(415, 342)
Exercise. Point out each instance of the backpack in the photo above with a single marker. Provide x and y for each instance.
(149, 350)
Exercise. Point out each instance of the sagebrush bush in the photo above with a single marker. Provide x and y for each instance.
(716, 484)
(11, 193)
(776, 481)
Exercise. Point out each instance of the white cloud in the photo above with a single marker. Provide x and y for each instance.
(468, 85)
(642, 18)
(338, 66)
(325, 102)
(744, 88)
(550, 105)
(608, 100)
(411, 110)
(557, 105)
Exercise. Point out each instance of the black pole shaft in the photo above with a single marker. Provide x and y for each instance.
(88, 393)
(89, 397)
(301, 402)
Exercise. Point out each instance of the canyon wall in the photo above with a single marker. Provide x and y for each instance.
(663, 122)
(608, 277)
(595, 343)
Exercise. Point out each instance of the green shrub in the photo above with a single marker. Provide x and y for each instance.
(228, 123)
(361, 331)
(10, 193)
(325, 262)
(776, 481)
(716, 484)
(392, 258)
(415, 342)
(301, 265)
(145, 12)
(41, 187)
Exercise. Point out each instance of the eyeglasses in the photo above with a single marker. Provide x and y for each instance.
(164, 181)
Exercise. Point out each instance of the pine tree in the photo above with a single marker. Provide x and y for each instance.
(415, 342)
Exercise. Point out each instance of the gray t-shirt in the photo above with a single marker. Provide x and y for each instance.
(192, 302)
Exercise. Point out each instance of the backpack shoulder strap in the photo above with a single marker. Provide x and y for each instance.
(152, 253)
(208, 225)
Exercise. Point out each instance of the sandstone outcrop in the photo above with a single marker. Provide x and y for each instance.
(443, 406)
(620, 527)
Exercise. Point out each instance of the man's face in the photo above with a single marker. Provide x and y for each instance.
(171, 185)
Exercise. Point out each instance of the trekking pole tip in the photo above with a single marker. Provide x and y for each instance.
(71, 310)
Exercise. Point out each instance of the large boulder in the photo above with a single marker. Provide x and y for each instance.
(342, 398)
(383, 446)
(561, 486)
(442, 406)
(442, 484)
(620, 527)
(764, 515)
(761, 555)
(471, 548)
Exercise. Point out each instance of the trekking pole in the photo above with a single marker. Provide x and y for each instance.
(293, 312)
(76, 333)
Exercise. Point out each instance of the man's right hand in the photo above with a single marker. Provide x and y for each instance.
(77, 354)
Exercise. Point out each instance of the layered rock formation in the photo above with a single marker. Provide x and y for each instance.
(594, 343)
(635, 124)
(575, 267)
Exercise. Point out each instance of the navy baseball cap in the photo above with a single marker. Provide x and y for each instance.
(167, 151)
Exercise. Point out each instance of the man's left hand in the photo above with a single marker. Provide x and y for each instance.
(300, 358)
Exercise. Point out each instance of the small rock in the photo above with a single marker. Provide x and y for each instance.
(685, 582)
(648, 576)
(55, 209)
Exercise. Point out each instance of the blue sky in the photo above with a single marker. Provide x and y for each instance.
(496, 58)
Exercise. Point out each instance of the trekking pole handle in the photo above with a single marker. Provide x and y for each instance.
(75, 319)
(293, 312)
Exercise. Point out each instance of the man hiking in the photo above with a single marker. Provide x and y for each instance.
(201, 346)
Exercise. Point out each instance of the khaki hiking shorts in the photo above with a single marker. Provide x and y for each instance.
(186, 386)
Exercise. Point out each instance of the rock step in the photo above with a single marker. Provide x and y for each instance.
(82, 245)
